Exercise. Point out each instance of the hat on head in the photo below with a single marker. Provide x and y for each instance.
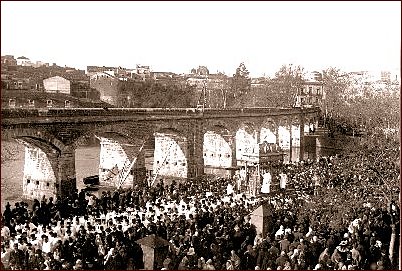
(191, 251)
(343, 243)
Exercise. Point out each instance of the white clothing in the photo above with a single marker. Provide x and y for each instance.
(283, 181)
(46, 247)
(266, 183)
(229, 189)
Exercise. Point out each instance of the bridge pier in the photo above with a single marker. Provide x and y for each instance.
(233, 148)
(39, 177)
(290, 142)
(195, 142)
(301, 120)
(66, 183)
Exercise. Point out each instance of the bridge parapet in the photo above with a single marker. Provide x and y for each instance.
(15, 113)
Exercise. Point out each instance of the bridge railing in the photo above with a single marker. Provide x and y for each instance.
(77, 112)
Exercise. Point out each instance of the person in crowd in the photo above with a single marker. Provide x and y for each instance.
(208, 224)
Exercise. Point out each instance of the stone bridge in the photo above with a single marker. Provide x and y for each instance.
(217, 138)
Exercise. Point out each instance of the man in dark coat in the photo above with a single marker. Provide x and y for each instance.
(16, 258)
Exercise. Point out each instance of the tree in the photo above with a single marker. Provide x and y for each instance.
(356, 101)
(286, 84)
(170, 93)
(335, 86)
(240, 86)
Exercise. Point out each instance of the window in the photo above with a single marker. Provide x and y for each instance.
(31, 103)
(11, 103)
(37, 182)
(20, 85)
(47, 184)
(28, 181)
(49, 103)
(310, 89)
(67, 104)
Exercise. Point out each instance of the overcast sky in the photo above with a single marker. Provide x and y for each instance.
(178, 36)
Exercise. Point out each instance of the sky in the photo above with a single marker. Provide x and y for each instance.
(178, 36)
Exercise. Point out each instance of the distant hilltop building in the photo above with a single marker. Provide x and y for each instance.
(123, 74)
(23, 61)
(201, 70)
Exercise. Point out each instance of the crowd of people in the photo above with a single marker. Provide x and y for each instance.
(337, 213)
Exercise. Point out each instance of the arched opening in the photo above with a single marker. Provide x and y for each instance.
(31, 172)
(247, 148)
(170, 154)
(217, 151)
(268, 132)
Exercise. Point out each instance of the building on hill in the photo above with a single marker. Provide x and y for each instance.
(141, 72)
(34, 99)
(57, 84)
(201, 70)
(24, 61)
(8, 60)
(91, 70)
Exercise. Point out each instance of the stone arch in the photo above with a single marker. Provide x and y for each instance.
(217, 147)
(117, 153)
(171, 152)
(126, 131)
(284, 127)
(247, 148)
(37, 136)
(40, 172)
(220, 125)
(268, 131)
(295, 120)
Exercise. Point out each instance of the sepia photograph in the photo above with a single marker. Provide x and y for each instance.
(200, 135)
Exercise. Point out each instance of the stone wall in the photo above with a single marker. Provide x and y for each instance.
(169, 156)
(217, 152)
(39, 179)
(113, 159)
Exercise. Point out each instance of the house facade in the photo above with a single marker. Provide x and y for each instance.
(57, 84)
